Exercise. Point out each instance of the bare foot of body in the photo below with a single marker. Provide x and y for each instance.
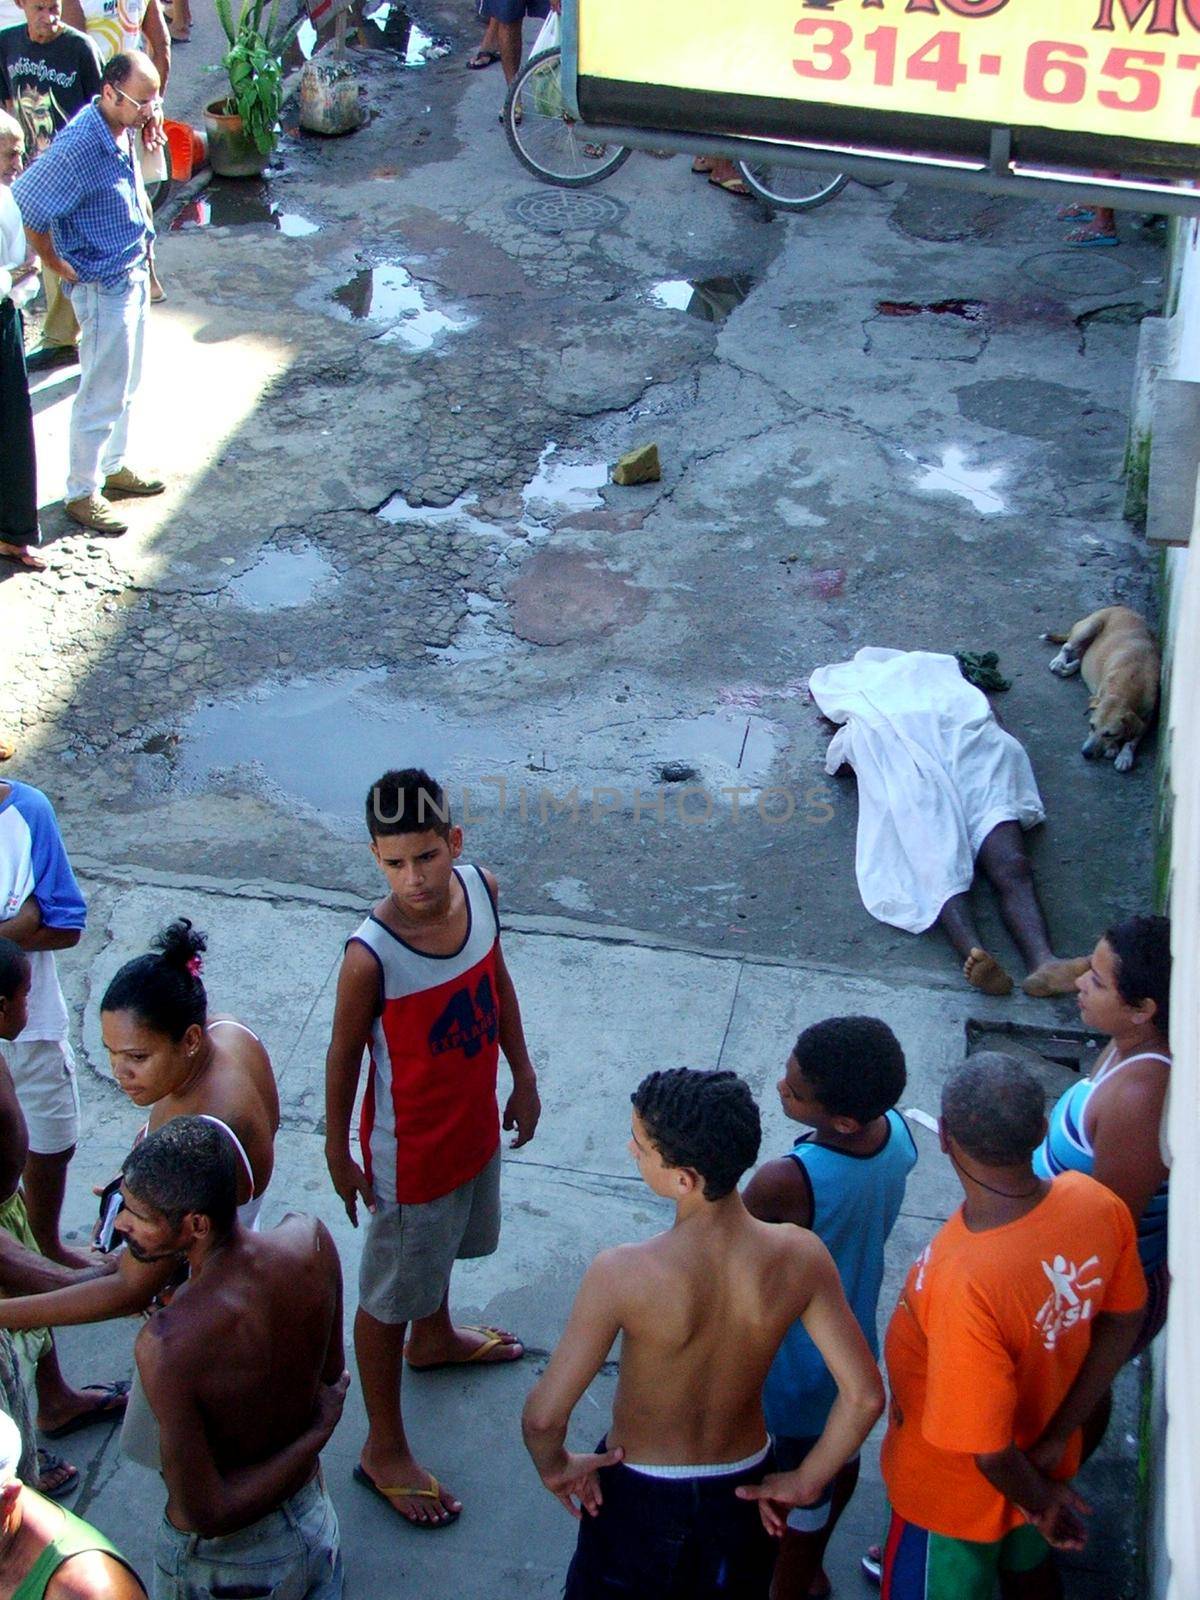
(468, 1346)
(1055, 977)
(411, 1490)
(986, 973)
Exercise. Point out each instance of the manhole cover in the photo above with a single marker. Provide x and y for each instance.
(557, 210)
(1079, 272)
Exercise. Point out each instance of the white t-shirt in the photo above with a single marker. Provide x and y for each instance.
(33, 861)
(114, 25)
(14, 251)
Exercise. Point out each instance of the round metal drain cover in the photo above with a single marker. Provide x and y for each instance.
(558, 210)
(1080, 272)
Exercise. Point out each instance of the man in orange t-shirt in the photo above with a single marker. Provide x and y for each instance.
(1011, 1325)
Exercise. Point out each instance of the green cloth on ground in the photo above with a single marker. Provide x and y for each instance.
(982, 668)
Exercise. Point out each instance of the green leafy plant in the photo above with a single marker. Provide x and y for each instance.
(254, 63)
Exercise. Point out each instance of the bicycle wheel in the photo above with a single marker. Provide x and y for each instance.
(544, 139)
(790, 188)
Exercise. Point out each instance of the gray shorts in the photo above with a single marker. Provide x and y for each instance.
(409, 1250)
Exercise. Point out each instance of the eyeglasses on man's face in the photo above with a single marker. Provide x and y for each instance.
(152, 104)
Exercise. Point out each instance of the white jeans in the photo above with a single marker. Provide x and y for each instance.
(112, 330)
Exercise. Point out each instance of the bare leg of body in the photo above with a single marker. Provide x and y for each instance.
(1002, 857)
(388, 1463)
(45, 1184)
(979, 968)
(799, 1569)
(510, 48)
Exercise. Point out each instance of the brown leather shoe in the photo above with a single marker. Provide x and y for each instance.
(94, 512)
(125, 481)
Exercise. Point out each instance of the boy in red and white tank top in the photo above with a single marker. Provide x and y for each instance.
(424, 989)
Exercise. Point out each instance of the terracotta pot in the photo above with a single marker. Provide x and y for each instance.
(231, 151)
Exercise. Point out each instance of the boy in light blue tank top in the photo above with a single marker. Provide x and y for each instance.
(845, 1180)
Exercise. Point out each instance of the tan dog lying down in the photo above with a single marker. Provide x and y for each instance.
(1118, 657)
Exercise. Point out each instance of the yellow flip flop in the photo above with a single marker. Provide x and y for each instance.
(433, 1492)
(492, 1337)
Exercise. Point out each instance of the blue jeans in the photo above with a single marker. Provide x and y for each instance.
(291, 1554)
(112, 328)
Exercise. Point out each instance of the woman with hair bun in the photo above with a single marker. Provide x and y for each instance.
(174, 1060)
(167, 1055)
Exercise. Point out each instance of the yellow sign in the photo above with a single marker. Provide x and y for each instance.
(1129, 68)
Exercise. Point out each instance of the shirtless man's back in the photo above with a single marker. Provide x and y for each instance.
(670, 1495)
(241, 1437)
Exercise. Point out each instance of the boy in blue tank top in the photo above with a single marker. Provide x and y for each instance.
(845, 1181)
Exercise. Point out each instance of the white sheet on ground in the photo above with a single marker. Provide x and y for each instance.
(936, 773)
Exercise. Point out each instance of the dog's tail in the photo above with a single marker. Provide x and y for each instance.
(1054, 638)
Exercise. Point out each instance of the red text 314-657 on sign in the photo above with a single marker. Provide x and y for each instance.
(1053, 71)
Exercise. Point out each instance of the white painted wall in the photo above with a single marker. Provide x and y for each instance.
(1174, 1533)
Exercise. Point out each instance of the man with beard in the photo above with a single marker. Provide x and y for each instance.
(247, 1510)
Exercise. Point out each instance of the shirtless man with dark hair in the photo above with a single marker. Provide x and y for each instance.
(673, 1497)
(240, 1438)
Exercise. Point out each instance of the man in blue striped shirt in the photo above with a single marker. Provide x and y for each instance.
(87, 216)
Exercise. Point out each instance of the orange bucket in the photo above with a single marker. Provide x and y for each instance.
(187, 148)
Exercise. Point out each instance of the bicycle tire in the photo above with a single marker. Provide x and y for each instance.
(788, 188)
(548, 143)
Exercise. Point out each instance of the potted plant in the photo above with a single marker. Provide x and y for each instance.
(242, 125)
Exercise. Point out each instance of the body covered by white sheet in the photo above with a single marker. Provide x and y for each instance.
(936, 773)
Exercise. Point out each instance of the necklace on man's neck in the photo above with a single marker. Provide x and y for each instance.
(1005, 1194)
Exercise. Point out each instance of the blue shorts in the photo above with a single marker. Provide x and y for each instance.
(512, 10)
(676, 1538)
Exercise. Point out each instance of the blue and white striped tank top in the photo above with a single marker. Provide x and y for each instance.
(1067, 1148)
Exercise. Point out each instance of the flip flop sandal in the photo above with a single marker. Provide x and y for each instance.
(434, 1492)
(492, 1339)
(482, 59)
(1075, 213)
(28, 562)
(111, 1405)
(49, 1463)
(1092, 241)
(730, 186)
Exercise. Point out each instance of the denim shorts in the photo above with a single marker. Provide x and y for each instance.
(290, 1554)
(685, 1538)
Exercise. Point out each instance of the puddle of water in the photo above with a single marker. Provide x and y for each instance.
(282, 578)
(294, 225)
(710, 299)
(954, 476)
(400, 513)
(241, 204)
(724, 745)
(563, 485)
(324, 741)
(389, 27)
(389, 293)
(478, 637)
